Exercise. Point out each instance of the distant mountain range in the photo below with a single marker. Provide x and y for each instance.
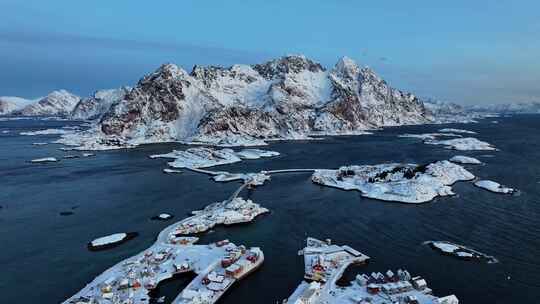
(291, 97)
(57, 103)
(11, 104)
(62, 103)
(531, 107)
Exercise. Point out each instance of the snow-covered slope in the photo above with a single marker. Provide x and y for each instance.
(99, 103)
(10, 104)
(59, 103)
(286, 98)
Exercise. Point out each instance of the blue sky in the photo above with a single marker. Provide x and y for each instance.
(473, 52)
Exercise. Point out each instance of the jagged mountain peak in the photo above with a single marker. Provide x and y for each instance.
(168, 80)
(168, 71)
(346, 64)
(346, 68)
(287, 64)
(209, 75)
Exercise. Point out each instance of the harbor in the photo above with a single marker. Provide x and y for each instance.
(324, 266)
(217, 265)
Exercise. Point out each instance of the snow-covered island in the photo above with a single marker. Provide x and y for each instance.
(463, 144)
(47, 132)
(202, 157)
(228, 212)
(171, 171)
(324, 266)
(466, 160)
(406, 183)
(428, 136)
(460, 251)
(253, 179)
(451, 130)
(110, 241)
(44, 160)
(494, 187)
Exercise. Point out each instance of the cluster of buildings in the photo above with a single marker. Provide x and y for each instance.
(399, 287)
(131, 281)
(218, 266)
(324, 265)
(227, 212)
(322, 259)
(211, 284)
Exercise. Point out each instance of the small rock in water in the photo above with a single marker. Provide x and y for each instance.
(162, 217)
(66, 213)
(494, 187)
(71, 156)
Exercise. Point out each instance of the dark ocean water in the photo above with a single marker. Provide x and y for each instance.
(44, 257)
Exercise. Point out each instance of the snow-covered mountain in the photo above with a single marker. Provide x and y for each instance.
(532, 107)
(290, 97)
(10, 104)
(59, 103)
(286, 98)
(93, 107)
